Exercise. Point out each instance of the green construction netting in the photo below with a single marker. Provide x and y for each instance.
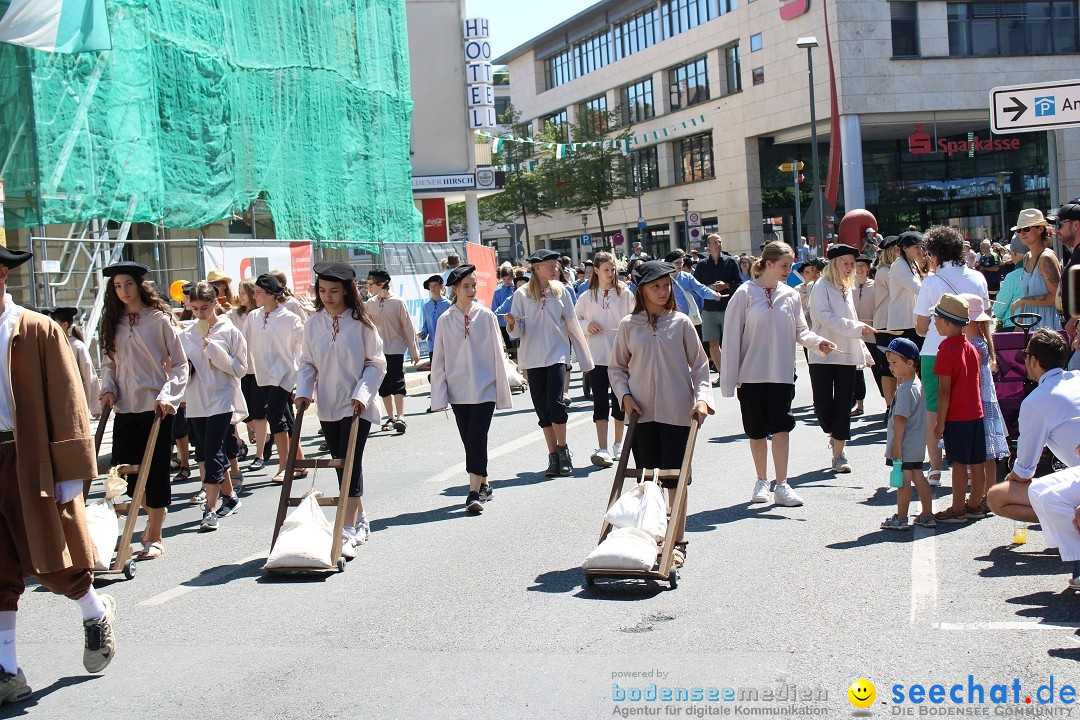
(204, 104)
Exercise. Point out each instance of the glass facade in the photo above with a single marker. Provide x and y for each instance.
(635, 33)
(904, 16)
(593, 53)
(678, 16)
(558, 120)
(597, 107)
(693, 158)
(1013, 28)
(643, 171)
(755, 42)
(732, 70)
(638, 102)
(689, 84)
(559, 69)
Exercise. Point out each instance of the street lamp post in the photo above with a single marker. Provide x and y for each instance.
(584, 223)
(1001, 197)
(810, 43)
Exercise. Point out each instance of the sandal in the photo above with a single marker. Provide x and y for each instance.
(279, 477)
(951, 517)
(174, 464)
(299, 474)
(678, 553)
(184, 474)
(399, 426)
(388, 424)
(934, 478)
(152, 551)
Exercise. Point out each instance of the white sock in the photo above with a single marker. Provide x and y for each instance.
(7, 642)
(91, 605)
(361, 520)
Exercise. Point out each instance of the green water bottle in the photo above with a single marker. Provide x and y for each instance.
(896, 477)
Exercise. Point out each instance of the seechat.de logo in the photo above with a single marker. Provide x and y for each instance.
(794, 9)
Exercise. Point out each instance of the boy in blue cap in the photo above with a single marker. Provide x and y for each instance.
(905, 439)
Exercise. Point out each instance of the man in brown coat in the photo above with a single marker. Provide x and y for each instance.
(46, 453)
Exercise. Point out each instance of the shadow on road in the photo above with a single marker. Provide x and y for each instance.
(707, 520)
(874, 538)
(24, 708)
(223, 574)
(447, 512)
(1008, 562)
(1052, 607)
(566, 581)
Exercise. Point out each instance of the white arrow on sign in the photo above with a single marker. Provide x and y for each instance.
(1038, 106)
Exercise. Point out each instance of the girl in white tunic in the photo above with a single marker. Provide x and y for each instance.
(832, 377)
(882, 300)
(144, 370)
(658, 369)
(600, 309)
(218, 353)
(300, 307)
(398, 333)
(542, 316)
(764, 321)
(253, 396)
(468, 371)
(65, 317)
(274, 336)
(342, 360)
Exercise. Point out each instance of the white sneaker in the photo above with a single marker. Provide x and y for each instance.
(784, 495)
(348, 543)
(616, 452)
(840, 464)
(761, 491)
(600, 458)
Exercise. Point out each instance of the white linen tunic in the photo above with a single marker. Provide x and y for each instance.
(865, 301)
(216, 369)
(339, 365)
(903, 291)
(468, 369)
(91, 384)
(664, 369)
(544, 328)
(606, 308)
(149, 363)
(395, 325)
(302, 310)
(832, 313)
(274, 343)
(759, 341)
(882, 293)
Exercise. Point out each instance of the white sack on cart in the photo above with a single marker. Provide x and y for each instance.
(623, 549)
(305, 539)
(643, 507)
(104, 527)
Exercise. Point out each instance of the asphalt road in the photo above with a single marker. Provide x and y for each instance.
(444, 615)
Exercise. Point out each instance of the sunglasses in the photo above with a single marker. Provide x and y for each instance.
(1032, 228)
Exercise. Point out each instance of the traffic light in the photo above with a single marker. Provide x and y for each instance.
(792, 167)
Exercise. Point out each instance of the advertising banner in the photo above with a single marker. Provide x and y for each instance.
(251, 260)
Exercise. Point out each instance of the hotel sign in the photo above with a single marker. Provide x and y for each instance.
(464, 181)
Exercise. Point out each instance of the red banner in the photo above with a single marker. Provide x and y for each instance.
(486, 273)
(434, 210)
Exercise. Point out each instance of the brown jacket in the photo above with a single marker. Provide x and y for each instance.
(52, 442)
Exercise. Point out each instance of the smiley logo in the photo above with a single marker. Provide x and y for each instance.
(862, 693)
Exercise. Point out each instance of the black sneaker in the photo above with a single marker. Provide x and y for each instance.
(553, 465)
(563, 456)
(485, 493)
(257, 464)
(473, 506)
(229, 505)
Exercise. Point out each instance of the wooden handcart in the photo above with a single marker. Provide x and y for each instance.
(665, 569)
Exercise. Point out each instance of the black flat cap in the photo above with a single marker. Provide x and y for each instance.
(379, 275)
(435, 278)
(64, 314)
(270, 284)
(864, 259)
(13, 258)
(646, 272)
(543, 255)
(459, 273)
(335, 270)
(134, 269)
(889, 242)
(840, 250)
(909, 238)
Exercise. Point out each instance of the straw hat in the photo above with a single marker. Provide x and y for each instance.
(952, 308)
(217, 276)
(1031, 217)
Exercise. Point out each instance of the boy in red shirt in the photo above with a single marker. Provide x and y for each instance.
(960, 412)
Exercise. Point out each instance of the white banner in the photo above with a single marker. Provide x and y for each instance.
(251, 260)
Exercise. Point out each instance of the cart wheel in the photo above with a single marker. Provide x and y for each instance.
(589, 580)
(341, 565)
(673, 578)
(129, 569)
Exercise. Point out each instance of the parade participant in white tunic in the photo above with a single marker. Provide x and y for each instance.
(468, 372)
(218, 354)
(300, 307)
(600, 309)
(658, 369)
(144, 370)
(274, 336)
(341, 366)
(542, 316)
(398, 333)
(253, 396)
(65, 317)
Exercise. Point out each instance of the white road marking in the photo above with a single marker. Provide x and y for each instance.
(1008, 625)
(924, 584)
(181, 590)
(456, 471)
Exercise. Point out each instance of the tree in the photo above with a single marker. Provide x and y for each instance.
(523, 188)
(599, 169)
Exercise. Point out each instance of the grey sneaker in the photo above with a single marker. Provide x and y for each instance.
(100, 646)
(896, 523)
(840, 464)
(553, 465)
(209, 521)
(13, 688)
(229, 505)
(486, 493)
(565, 466)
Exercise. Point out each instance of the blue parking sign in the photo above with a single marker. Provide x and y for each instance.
(586, 239)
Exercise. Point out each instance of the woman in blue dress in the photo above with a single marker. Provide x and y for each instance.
(1042, 270)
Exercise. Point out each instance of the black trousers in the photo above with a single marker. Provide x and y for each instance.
(545, 387)
(131, 433)
(336, 434)
(833, 387)
(394, 381)
(859, 391)
(604, 402)
(277, 408)
(211, 434)
(659, 446)
(473, 424)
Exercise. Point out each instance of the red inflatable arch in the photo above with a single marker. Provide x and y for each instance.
(854, 226)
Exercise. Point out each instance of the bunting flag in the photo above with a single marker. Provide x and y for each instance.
(62, 26)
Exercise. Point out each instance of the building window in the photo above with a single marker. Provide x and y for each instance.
(1013, 28)
(635, 33)
(755, 42)
(732, 70)
(592, 53)
(638, 102)
(758, 75)
(693, 158)
(559, 121)
(502, 104)
(597, 109)
(727, 6)
(905, 28)
(643, 170)
(689, 84)
(678, 16)
(559, 69)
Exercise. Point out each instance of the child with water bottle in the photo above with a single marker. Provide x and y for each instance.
(905, 440)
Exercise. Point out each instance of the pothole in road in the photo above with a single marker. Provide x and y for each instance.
(646, 624)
